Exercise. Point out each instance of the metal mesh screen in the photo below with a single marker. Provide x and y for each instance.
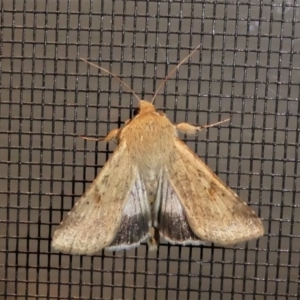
(247, 69)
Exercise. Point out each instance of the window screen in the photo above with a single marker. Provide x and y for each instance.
(247, 69)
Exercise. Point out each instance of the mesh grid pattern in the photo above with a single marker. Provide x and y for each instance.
(247, 69)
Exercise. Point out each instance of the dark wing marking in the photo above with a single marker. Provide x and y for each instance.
(170, 218)
(136, 219)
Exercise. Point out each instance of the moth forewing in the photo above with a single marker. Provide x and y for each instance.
(214, 212)
(95, 220)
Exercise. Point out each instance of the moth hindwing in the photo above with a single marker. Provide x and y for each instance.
(152, 185)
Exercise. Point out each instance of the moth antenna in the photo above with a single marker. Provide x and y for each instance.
(113, 75)
(172, 71)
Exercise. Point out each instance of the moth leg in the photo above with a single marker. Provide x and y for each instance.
(111, 135)
(187, 128)
(191, 129)
(127, 122)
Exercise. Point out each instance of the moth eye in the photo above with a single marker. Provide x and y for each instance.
(136, 111)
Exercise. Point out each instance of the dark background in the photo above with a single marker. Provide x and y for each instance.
(247, 69)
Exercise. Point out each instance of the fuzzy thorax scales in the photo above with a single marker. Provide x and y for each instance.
(151, 137)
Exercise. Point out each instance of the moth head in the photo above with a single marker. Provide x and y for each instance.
(143, 108)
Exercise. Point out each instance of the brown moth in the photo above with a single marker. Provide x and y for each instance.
(153, 185)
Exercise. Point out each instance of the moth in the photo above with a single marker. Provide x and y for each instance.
(153, 185)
